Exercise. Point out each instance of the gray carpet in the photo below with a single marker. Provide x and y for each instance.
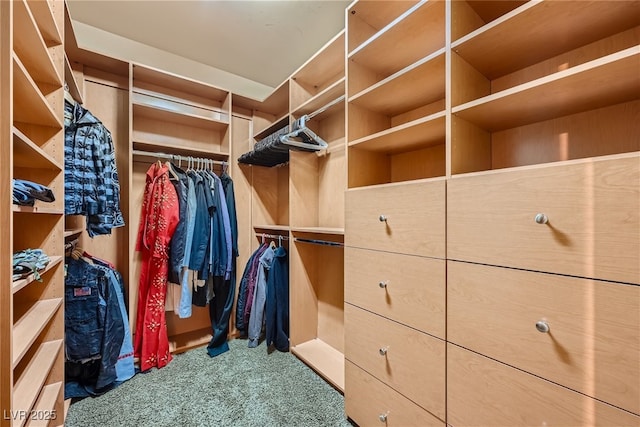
(242, 387)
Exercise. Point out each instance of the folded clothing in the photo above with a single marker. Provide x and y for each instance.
(29, 261)
(25, 193)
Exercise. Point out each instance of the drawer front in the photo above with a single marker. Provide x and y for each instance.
(593, 342)
(483, 392)
(369, 402)
(592, 209)
(404, 288)
(414, 213)
(409, 361)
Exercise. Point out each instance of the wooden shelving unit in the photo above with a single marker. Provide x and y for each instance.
(32, 318)
(45, 404)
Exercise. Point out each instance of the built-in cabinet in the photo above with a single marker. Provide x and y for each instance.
(31, 309)
(494, 170)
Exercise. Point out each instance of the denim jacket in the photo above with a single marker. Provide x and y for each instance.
(91, 184)
(94, 328)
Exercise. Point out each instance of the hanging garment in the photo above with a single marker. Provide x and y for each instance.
(158, 220)
(221, 305)
(277, 306)
(91, 185)
(241, 325)
(94, 330)
(251, 286)
(256, 318)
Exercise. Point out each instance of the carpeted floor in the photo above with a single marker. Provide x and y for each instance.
(242, 387)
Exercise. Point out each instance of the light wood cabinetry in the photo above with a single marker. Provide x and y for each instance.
(31, 312)
(500, 190)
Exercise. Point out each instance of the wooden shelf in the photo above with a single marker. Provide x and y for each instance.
(318, 230)
(609, 80)
(331, 93)
(70, 79)
(46, 404)
(277, 125)
(19, 284)
(368, 17)
(327, 63)
(73, 232)
(496, 49)
(29, 326)
(157, 109)
(36, 210)
(271, 228)
(158, 147)
(29, 105)
(420, 133)
(27, 154)
(30, 383)
(418, 84)
(177, 83)
(30, 47)
(324, 359)
(420, 31)
(43, 15)
(183, 342)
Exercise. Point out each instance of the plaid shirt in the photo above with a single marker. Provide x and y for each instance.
(90, 176)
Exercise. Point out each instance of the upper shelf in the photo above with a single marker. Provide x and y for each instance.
(609, 80)
(177, 83)
(419, 133)
(30, 106)
(30, 47)
(43, 15)
(331, 93)
(327, 63)
(277, 125)
(540, 29)
(414, 86)
(173, 112)
(417, 33)
(365, 18)
(26, 154)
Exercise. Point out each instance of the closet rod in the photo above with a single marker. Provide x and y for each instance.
(272, 236)
(325, 107)
(176, 157)
(319, 242)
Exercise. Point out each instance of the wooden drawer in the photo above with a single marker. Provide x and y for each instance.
(414, 362)
(593, 212)
(483, 392)
(593, 344)
(367, 399)
(414, 212)
(414, 287)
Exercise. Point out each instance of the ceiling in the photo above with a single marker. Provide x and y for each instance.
(263, 41)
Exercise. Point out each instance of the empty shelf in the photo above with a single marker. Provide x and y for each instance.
(45, 405)
(165, 111)
(42, 13)
(29, 105)
(29, 326)
(324, 359)
(27, 154)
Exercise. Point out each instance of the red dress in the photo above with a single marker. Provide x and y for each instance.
(158, 221)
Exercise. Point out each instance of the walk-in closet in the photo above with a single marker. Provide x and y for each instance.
(320, 213)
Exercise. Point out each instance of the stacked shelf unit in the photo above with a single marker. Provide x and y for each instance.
(316, 196)
(545, 171)
(508, 252)
(32, 324)
(176, 116)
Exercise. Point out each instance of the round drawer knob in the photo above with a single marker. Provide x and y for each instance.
(542, 326)
(541, 218)
(383, 417)
(382, 218)
(383, 351)
(383, 284)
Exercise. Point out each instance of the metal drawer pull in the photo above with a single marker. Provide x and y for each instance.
(542, 326)
(383, 417)
(541, 218)
(382, 218)
(383, 284)
(383, 351)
